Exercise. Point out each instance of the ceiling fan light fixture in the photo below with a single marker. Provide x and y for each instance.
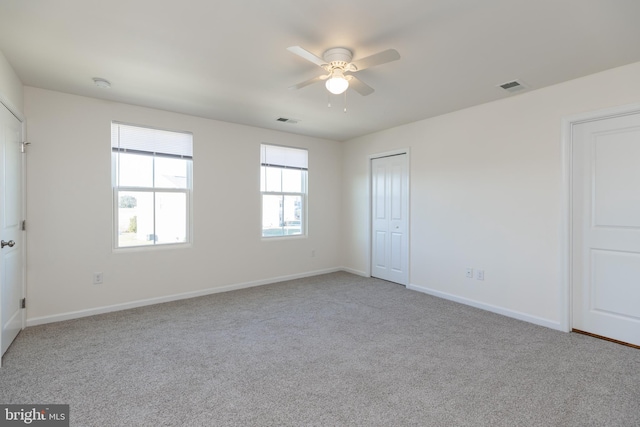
(337, 61)
(337, 83)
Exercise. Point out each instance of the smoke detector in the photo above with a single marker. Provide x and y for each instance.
(102, 83)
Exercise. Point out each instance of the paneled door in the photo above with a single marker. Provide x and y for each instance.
(389, 218)
(606, 227)
(11, 234)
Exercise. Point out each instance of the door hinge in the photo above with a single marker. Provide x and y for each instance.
(23, 303)
(24, 224)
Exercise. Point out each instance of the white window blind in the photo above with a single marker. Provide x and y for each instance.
(284, 157)
(141, 140)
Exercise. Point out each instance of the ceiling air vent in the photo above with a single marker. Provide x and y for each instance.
(513, 86)
(285, 120)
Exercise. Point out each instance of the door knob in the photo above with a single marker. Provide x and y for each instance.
(10, 243)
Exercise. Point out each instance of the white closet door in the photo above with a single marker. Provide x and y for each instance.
(606, 228)
(390, 213)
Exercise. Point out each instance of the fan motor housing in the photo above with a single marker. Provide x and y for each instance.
(338, 57)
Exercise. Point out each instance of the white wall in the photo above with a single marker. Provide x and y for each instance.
(486, 192)
(10, 86)
(69, 171)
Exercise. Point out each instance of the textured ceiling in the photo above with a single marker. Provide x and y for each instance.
(227, 60)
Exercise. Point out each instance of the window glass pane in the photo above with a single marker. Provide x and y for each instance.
(272, 220)
(146, 160)
(283, 183)
(135, 218)
(292, 210)
(274, 179)
(171, 217)
(292, 181)
(170, 172)
(135, 170)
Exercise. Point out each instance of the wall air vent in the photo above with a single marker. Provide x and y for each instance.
(513, 86)
(285, 120)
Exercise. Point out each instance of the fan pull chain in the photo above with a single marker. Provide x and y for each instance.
(345, 101)
(328, 99)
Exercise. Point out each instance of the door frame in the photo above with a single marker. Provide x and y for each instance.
(566, 243)
(370, 158)
(21, 118)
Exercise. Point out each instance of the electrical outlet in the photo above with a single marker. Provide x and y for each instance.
(479, 274)
(470, 273)
(313, 253)
(97, 278)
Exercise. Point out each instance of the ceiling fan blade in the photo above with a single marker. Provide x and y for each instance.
(303, 53)
(357, 85)
(376, 59)
(309, 82)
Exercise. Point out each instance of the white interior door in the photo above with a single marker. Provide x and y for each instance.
(606, 228)
(11, 234)
(389, 218)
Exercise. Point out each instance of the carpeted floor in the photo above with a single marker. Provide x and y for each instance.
(331, 350)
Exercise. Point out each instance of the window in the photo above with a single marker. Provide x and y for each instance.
(151, 174)
(283, 184)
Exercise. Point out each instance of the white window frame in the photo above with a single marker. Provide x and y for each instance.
(116, 189)
(303, 194)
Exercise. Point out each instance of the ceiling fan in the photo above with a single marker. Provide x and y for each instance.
(337, 62)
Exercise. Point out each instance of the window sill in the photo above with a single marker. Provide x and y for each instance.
(279, 238)
(150, 248)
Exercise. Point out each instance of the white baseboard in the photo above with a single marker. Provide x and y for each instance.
(356, 272)
(492, 308)
(175, 297)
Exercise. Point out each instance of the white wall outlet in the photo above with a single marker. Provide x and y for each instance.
(479, 274)
(313, 253)
(470, 273)
(97, 278)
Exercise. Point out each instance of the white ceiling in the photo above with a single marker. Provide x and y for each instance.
(227, 59)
